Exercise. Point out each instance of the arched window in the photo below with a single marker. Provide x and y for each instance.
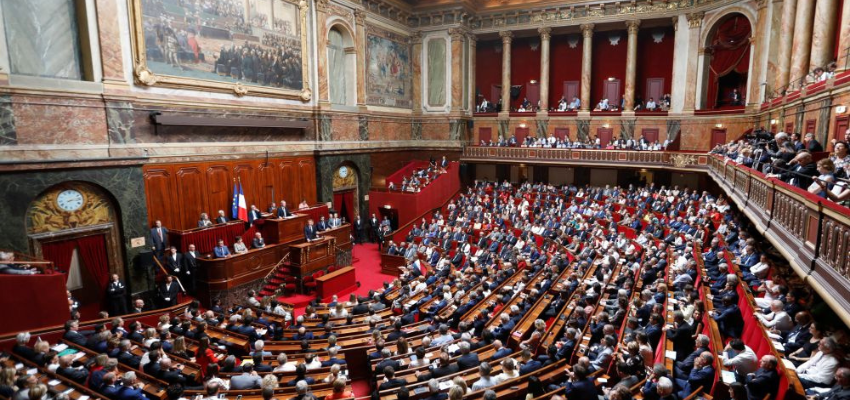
(337, 68)
(729, 51)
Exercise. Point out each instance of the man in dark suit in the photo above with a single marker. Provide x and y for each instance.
(730, 320)
(527, 363)
(765, 380)
(168, 292)
(116, 292)
(374, 225)
(73, 335)
(812, 145)
(126, 357)
(684, 367)
(254, 214)
(680, 333)
(841, 390)
(322, 225)
(467, 360)
(310, 232)
(579, 387)
(701, 376)
(131, 390)
(174, 261)
(359, 228)
(801, 170)
(501, 351)
(190, 266)
(258, 242)
(391, 380)
(159, 238)
(221, 219)
(65, 369)
(386, 362)
(283, 211)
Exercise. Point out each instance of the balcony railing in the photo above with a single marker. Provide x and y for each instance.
(649, 159)
(811, 232)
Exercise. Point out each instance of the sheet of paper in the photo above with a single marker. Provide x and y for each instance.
(728, 377)
(53, 382)
(670, 354)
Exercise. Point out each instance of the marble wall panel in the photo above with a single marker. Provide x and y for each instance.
(345, 128)
(8, 134)
(436, 130)
(44, 120)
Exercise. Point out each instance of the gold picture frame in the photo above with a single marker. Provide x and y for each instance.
(144, 76)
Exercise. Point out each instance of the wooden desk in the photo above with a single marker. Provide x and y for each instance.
(312, 256)
(339, 282)
(205, 239)
(342, 234)
(284, 230)
(390, 264)
(222, 274)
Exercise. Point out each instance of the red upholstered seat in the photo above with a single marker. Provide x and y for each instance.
(308, 283)
(289, 285)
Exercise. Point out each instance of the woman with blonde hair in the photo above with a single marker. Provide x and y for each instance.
(459, 382)
(179, 349)
(150, 337)
(456, 393)
(269, 381)
(333, 375)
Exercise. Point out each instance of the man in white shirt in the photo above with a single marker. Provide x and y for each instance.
(819, 370)
(739, 357)
(650, 105)
(778, 319)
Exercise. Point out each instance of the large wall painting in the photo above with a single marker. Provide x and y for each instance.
(388, 78)
(238, 46)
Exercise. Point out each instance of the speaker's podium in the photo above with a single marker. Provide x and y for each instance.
(308, 257)
(284, 230)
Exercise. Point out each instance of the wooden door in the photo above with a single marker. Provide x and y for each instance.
(810, 126)
(485, 135)
(718, 136)
(789, 127)
(520, 134)
(611, 91)
(605, 135)
(650, 134)
(654, 89)
(495, 93)
(571, 89)
(562, 133)
(533, 94)
(842, 123)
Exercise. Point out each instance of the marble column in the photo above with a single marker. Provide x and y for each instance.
(844, 38)
(694, 26)
(545, 39)
(322, 45)
(416, 71)
(631, 64)
(800, 48)
(586, 64)
(823, 33)
(758, 50)
(472, 48)
(360, 43)
(786, 40)
(457, 35)
(507, 38)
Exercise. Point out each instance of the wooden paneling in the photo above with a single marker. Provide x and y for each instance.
(178, 193)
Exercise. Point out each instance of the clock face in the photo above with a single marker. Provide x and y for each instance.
(69, 200)
(343, 172)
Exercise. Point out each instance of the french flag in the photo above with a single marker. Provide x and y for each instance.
(242, 207)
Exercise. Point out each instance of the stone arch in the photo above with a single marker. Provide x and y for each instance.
(707, 34)
(346, 192)
(341, 57)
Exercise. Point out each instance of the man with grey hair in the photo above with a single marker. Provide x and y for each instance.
(701, 375)
(841, 390)
(664, 388)
(444, 337)
(486, 380)
(302, 390)
(21, 347)
(778, 318)
(819, 369)
(434, 391)
(131, 389)
(259, 345)
(764, 380)
(684, 367)
(491, 395)
(466, 360)
(501, 351)
(8, 265)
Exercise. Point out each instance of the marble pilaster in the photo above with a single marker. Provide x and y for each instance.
(457, 35)
(109, 36)
(416, 71)
(800, 48)
(586, 65)
(758, 50)
(360, 43)
(823, 33)
(844, 38)
(322, 45)
(786, 40)
(631, 64)
(471, 76)
(545, 39)
(507, 38)
(694, 25)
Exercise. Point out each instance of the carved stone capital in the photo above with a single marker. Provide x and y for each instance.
(587, 30)
(675, 22)
(633, 26)
(761, 4)
(457, 34)
(322, 5)
(507, 37)
(545, 33)
(473, 40)
(695, 19)
(360, 17)
(416, 38)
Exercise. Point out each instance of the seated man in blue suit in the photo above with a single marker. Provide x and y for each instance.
(729, 319)
(131, 390)
(701, 376)
(221, 251)
(580, 387)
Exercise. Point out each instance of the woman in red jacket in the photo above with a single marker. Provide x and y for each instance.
(205, 356)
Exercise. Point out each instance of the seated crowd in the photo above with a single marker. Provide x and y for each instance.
(552, 292)
(552, 142)
(792, 160)
(421, 177)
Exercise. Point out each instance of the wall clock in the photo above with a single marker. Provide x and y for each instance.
(343, 172)
(70, 200)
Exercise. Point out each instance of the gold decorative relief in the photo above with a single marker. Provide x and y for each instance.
(48, 213)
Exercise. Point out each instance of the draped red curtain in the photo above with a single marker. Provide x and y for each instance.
(343, 203)
(730, 51)
(59, 252)
(93, 254)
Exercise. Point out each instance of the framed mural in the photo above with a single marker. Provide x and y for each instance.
(388, 77)
(237, 46)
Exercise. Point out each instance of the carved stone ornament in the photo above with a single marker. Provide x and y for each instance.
(306, 94)
(695, 19)
(545, 33)
(145, 76)
(633, 26)
(587, 30)
(683, 160)
(240, 89)
(416, 38)
(507, 36)
(457, 34)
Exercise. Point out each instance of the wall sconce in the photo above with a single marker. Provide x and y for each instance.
(606, 126)
(523, 125)
(533, 81)
(840, 109)
(774, 121)
(387, 206)
(611, 79)
(718, 126)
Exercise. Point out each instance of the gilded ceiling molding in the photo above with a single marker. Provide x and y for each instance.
(695, 19)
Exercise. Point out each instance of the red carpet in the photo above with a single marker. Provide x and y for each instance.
(367, 267)
(360, 388)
